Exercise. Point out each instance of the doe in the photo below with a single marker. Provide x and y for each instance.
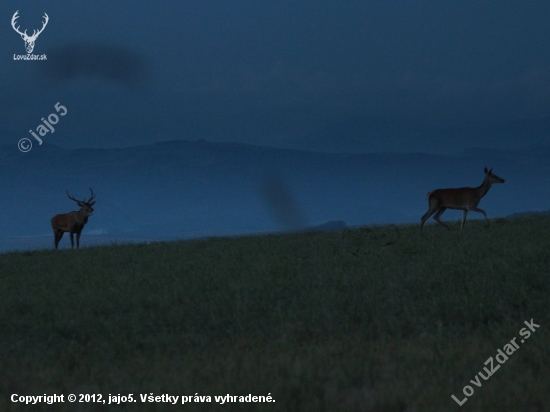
(461, 198)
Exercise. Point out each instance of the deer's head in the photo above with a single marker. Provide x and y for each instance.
(491, 177)
(29, 40)
(86, 208)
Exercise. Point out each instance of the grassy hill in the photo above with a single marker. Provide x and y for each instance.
(374, 319)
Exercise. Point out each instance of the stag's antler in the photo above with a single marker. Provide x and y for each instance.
(44, 24)
(92, 195)
(34, 33)
(84, 200)
(13, 19)
(76, 200)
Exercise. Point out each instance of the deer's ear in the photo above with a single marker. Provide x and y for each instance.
(93, 203)
(486, 171)
(80, 204)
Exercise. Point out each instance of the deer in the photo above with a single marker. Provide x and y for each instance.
(460, 198)
(29, 40)
(73, 222)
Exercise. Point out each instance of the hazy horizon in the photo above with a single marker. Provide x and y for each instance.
(194, 189)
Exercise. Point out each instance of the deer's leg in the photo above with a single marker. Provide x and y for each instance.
(438, 215)
(427, 215)
(57, 237)
(464, 213)
(72, 240)
(478, 210)
(78, 240)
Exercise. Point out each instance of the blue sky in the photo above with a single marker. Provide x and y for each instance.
(268, 71)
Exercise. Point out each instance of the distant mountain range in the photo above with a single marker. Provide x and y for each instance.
(97, 120)
(365, 134)
(182, 189)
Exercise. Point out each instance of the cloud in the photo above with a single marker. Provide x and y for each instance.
(282, 203)
(115, 64)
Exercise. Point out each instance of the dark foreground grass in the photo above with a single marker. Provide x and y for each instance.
(374, 319)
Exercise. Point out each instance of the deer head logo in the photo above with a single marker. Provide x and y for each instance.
(29, 40)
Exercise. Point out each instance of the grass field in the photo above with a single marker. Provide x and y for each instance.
(374, 319)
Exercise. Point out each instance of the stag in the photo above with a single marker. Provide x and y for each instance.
(29, 40)
(461, 198)
(73, 222)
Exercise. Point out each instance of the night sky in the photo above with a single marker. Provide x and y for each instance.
(271, 72)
